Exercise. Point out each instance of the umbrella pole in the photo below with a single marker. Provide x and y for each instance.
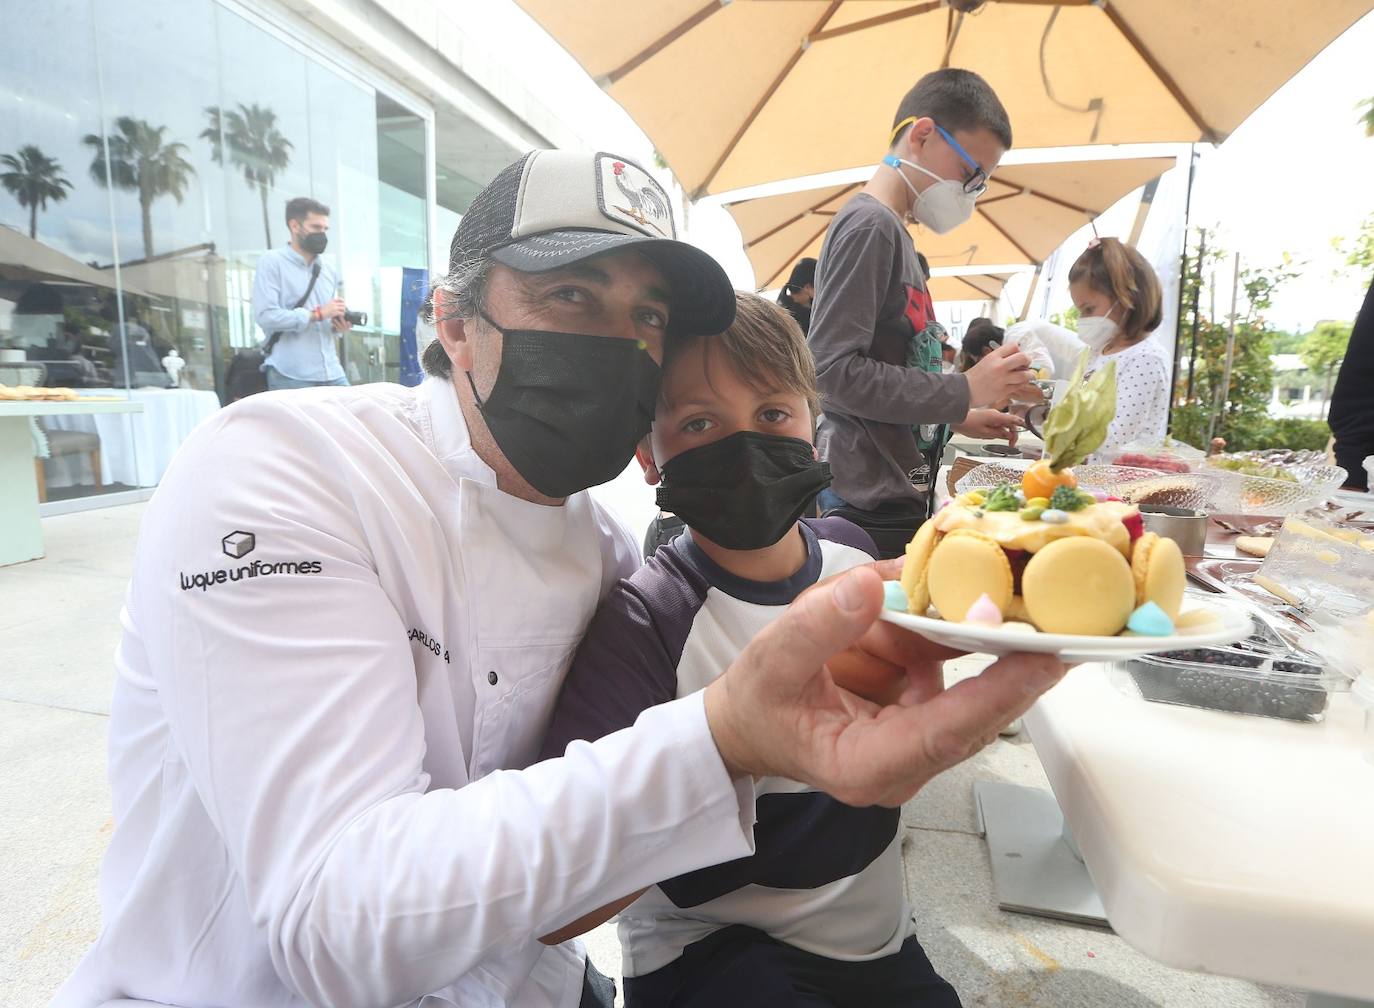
(1182, 284)
(1147, 198)
(1230, 354)
(1025, 310)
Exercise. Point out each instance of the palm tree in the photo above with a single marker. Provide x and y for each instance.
(33, 178)
(255, 145)
(140, 161)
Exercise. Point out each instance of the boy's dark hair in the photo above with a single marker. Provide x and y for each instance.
(957, 100)
(301, 207)
(1114, 268)
(764, 346)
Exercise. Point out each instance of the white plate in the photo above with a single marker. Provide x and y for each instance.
(1235, 625)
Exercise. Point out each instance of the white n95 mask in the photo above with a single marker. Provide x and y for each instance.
(943, 206)
(1097, 330)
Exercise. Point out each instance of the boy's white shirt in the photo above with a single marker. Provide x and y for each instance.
(313, 773)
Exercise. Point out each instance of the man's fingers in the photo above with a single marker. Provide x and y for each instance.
(903, 647)
(889, 570)
(955, 722)
(821, 623)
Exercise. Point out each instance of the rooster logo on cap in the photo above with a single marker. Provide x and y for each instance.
(645, 201)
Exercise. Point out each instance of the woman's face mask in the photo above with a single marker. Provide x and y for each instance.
(1097, 330)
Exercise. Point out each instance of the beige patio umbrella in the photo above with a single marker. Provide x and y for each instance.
(1026, 213)
(968, 286)
(739, 93)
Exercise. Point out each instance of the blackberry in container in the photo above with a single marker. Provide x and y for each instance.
(1260, 676)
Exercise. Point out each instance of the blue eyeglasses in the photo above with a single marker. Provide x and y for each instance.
(977, 182)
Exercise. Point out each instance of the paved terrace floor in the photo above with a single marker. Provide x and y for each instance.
(58, 629)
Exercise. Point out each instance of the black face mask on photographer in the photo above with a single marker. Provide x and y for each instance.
(567, 409)
(744, 491)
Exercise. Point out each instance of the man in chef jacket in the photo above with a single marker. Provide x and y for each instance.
(350, 613)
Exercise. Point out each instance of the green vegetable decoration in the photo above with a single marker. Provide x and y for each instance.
(1002, 498)
(1077, 425)
(1066, 498)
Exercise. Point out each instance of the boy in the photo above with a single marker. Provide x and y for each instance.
(817, 914)
(949, 133)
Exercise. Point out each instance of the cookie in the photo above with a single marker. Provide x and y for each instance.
(1157, 570)
(1254, 545)
(963, 566)
(914, 569)
(1079, 586)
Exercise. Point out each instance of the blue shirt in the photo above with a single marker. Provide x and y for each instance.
(306, 349)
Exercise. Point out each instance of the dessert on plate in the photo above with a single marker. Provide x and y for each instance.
(1046, 555)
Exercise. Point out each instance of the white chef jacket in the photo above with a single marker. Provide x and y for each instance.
(341, 645)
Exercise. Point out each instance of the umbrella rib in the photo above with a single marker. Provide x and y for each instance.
(875, 22)
(767, 96)
(1029, 191)
(1003, 232)
(792, 220)
(1208, 134)
(634, 62)
(790, 259)
(988, 294)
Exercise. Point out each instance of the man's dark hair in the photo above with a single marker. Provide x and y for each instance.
(302, 207)
(957, 100)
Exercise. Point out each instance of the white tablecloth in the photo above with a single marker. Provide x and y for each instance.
(135, 448)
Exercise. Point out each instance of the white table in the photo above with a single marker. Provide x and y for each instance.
(134, 450)
(1220, 843)
(21, 534)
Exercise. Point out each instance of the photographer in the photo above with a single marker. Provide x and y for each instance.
(296, 302)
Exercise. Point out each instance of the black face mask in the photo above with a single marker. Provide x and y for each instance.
(314, 242)
(567, 410)
(744, 491)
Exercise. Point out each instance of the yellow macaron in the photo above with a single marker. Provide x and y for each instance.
(914, 569)
(1079, 585)
(964, 565)
(1157, 569)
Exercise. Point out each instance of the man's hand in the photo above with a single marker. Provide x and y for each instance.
(332, 309)
(990, 423)
(341, 324)
(1005, 373)
(778, 711)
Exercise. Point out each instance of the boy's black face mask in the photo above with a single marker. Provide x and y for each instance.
(744, 491)
(567, 410)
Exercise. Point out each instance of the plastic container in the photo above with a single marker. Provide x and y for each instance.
(1321, 566)
(1260, 676)
(1363, 692)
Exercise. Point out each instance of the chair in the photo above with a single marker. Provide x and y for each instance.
(65, 442)
(59, 442)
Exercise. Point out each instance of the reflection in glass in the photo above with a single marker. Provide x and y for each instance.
(33, 179)
(137, 157)
(256, 147)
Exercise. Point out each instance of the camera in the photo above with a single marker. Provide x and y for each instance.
(358, 318)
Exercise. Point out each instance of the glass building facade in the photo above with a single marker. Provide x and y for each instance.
(147, 151)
